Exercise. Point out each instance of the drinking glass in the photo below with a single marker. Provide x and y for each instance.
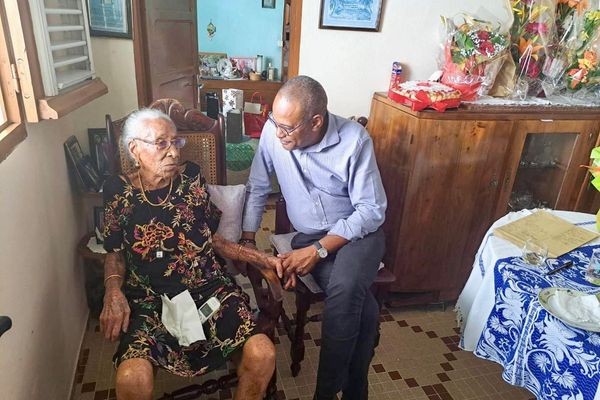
(535, 253)
(592, 273)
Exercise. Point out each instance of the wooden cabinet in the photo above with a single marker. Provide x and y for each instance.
(268, 89)
(449, 175)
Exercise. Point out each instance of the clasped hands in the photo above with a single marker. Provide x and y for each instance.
(295, 263)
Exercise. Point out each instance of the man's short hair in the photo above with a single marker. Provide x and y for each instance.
(307, 92)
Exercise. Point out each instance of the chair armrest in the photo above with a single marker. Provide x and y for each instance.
(268, 293)
(270, 278)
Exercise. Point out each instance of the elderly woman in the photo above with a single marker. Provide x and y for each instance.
(160, 237)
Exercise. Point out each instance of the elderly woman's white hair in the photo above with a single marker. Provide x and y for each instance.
(137, 123)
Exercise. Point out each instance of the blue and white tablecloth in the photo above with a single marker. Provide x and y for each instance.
(503, 321)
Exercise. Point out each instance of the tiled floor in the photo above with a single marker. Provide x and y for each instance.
(417, 358)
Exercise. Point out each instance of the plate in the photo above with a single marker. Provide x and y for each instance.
(545, 298)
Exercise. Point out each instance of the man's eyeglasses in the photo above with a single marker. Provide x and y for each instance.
(285, 129)
(163, 144)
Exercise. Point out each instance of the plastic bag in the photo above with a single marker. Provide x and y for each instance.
(572, 74)
(255, 116)
(473, 53)
(532, 35)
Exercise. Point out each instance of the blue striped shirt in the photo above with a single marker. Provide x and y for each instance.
(331, 186)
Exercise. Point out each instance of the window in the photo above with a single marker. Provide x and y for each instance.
(51, 82)
(63, 43)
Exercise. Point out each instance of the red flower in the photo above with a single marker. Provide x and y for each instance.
(483, 35)
(536, 28)
(486, 48)
(533, 70)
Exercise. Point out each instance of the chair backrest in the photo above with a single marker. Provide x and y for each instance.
(205, 142)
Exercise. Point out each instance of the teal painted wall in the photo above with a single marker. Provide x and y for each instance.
(244, 28)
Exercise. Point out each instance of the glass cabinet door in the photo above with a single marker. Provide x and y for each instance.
(542, 169)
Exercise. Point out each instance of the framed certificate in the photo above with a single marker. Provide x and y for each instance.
(110, 18)
(362, 15)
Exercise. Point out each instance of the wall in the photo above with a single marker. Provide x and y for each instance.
(352, 65)
(41, 279)
(243, 29)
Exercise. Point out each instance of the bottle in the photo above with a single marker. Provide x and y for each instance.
(396, 78)
(271, 72)
(259, 63)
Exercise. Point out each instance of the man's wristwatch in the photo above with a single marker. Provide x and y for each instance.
(321, 251)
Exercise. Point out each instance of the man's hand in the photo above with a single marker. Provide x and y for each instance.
(115, 314)
(300, 261)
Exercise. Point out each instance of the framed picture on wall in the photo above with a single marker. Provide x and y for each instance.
(359, 15)
(268, 3)
(110, 18)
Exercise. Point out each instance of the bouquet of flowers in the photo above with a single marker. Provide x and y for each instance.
(584, 71)
(473, 54)
(571, 69)
(531, 34)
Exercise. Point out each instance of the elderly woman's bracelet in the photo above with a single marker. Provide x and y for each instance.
(112, 276)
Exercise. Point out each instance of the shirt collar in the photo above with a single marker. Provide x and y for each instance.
(332, 137)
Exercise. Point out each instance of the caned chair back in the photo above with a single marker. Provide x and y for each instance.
(205, 144)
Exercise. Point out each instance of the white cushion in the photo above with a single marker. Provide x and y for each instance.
(230, 200)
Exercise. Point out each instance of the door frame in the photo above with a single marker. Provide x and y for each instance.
(141, 59)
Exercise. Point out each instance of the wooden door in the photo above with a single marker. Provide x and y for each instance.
(166, 50)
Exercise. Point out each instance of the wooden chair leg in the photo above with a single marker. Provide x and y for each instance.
(297, 345)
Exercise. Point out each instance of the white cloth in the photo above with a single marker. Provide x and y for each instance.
(576, 308)
(180, 317)
(477, 298)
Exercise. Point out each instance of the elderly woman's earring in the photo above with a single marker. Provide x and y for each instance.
(137, 164)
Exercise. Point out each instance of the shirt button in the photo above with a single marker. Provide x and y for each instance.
(304, 170)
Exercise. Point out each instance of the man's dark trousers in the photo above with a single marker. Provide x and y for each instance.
(350, 315)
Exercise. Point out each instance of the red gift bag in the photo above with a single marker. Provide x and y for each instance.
(255, 116)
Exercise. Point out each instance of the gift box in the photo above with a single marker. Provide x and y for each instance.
(233, 99)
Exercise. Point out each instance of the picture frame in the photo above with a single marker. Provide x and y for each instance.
(81, 169)
(99, 224)
(356, 15)
(268, 3)
(74, 155)
(244, 65)
(100, 149)
(111, 18)
(207, 64)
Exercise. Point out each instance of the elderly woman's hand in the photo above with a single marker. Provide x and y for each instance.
(115, 314)
(275, 263)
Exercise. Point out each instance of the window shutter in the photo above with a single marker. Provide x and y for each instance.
(63, 43)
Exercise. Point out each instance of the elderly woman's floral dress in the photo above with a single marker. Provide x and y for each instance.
(167, 250)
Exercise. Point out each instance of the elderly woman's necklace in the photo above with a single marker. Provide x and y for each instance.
(144, 192)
